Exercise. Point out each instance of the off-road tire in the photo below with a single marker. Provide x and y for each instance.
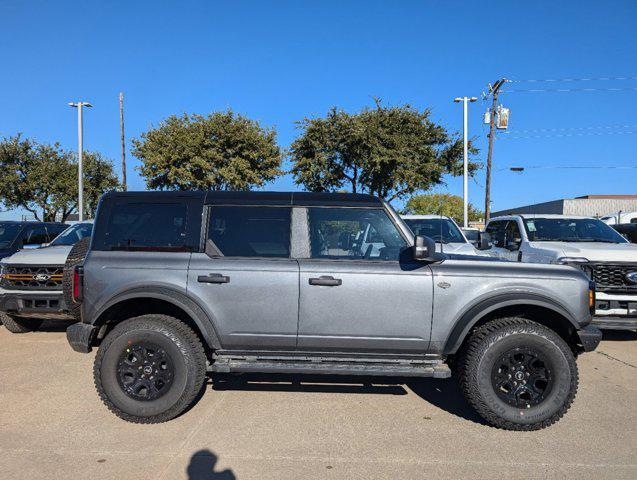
(477, 359)
(186, 353)
(75, 257)
(20, 325)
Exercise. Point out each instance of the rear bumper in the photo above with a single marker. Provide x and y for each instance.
(589, 337)
(80, 336)
(34, 304)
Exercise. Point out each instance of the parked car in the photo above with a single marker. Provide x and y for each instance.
(586, 243)
(619, 218)
(176, 284)
(472, 235)
(628, 230)
(444, 231)
(17, 235)
(31, 282)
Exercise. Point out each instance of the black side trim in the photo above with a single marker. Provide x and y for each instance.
(475, 313)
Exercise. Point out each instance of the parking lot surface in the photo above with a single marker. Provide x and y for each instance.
(52, 425)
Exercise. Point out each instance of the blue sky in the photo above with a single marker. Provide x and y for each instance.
(278, 61)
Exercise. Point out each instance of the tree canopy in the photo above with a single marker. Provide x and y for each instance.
(441, 204)
(387, 151)
(221, 151)
(42, 178)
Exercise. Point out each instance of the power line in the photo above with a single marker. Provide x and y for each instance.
(565, 90)
(564, 129)
(562, 135)
(590, 79)
(572, 167)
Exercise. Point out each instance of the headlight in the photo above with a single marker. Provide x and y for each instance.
(569, 260)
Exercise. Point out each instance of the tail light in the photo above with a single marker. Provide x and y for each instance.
(78, 283)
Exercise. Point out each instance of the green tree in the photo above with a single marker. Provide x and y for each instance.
(441, 204)
(42, 178)
(387, 151)
(221, 151)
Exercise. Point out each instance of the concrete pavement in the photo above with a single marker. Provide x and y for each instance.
(52, 425)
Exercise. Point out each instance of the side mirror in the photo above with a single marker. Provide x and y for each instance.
(484, 241)
(424, 249)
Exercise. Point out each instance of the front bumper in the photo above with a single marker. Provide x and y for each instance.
(34, 304)
(80, 336)
(615, 311)
(589, 337)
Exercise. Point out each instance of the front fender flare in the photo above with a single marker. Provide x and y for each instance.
(174, 297)
(476, 312)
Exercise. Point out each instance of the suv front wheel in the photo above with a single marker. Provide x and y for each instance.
(518, 374)
(150, 369)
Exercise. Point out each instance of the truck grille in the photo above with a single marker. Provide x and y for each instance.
(32, 277)
(612, 277)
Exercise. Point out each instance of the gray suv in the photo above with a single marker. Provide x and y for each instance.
(176, 285)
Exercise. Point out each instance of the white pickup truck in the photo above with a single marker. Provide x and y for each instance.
(583, 242)
(31, 282)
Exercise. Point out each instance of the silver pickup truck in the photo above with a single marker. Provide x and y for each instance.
(176, 285)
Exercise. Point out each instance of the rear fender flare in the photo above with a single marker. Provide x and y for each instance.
(176, 298)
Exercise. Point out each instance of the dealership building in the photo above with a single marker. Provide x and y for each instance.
(588, 205)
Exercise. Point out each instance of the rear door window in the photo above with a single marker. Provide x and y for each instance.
(146, 227)
(237, 231)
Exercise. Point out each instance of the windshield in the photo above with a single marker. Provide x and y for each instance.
(73, 234)
(8, 232)
(570, 230)
(438, 229)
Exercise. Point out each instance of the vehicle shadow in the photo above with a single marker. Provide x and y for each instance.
(202, 467)
(53, 326)
(619, 335)
(442, 393)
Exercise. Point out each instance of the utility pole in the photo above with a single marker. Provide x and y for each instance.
(80, 153)
(121, 123)
(465, 140)
(493, 90)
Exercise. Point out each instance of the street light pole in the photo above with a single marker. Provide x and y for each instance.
(465, 140)
(80, 153)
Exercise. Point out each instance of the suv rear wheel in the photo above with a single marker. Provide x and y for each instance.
(150, 369)
(518, 374)
(19, 325)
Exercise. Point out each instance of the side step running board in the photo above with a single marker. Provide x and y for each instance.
(330, 366)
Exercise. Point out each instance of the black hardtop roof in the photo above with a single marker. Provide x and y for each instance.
(261, 198)
(31, 222)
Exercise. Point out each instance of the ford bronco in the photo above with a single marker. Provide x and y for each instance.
(176, 285)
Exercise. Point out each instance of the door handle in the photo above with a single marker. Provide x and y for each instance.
(213, 278)
(326, 281)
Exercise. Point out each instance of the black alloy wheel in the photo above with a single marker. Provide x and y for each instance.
(145, 371)
(522, 377)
